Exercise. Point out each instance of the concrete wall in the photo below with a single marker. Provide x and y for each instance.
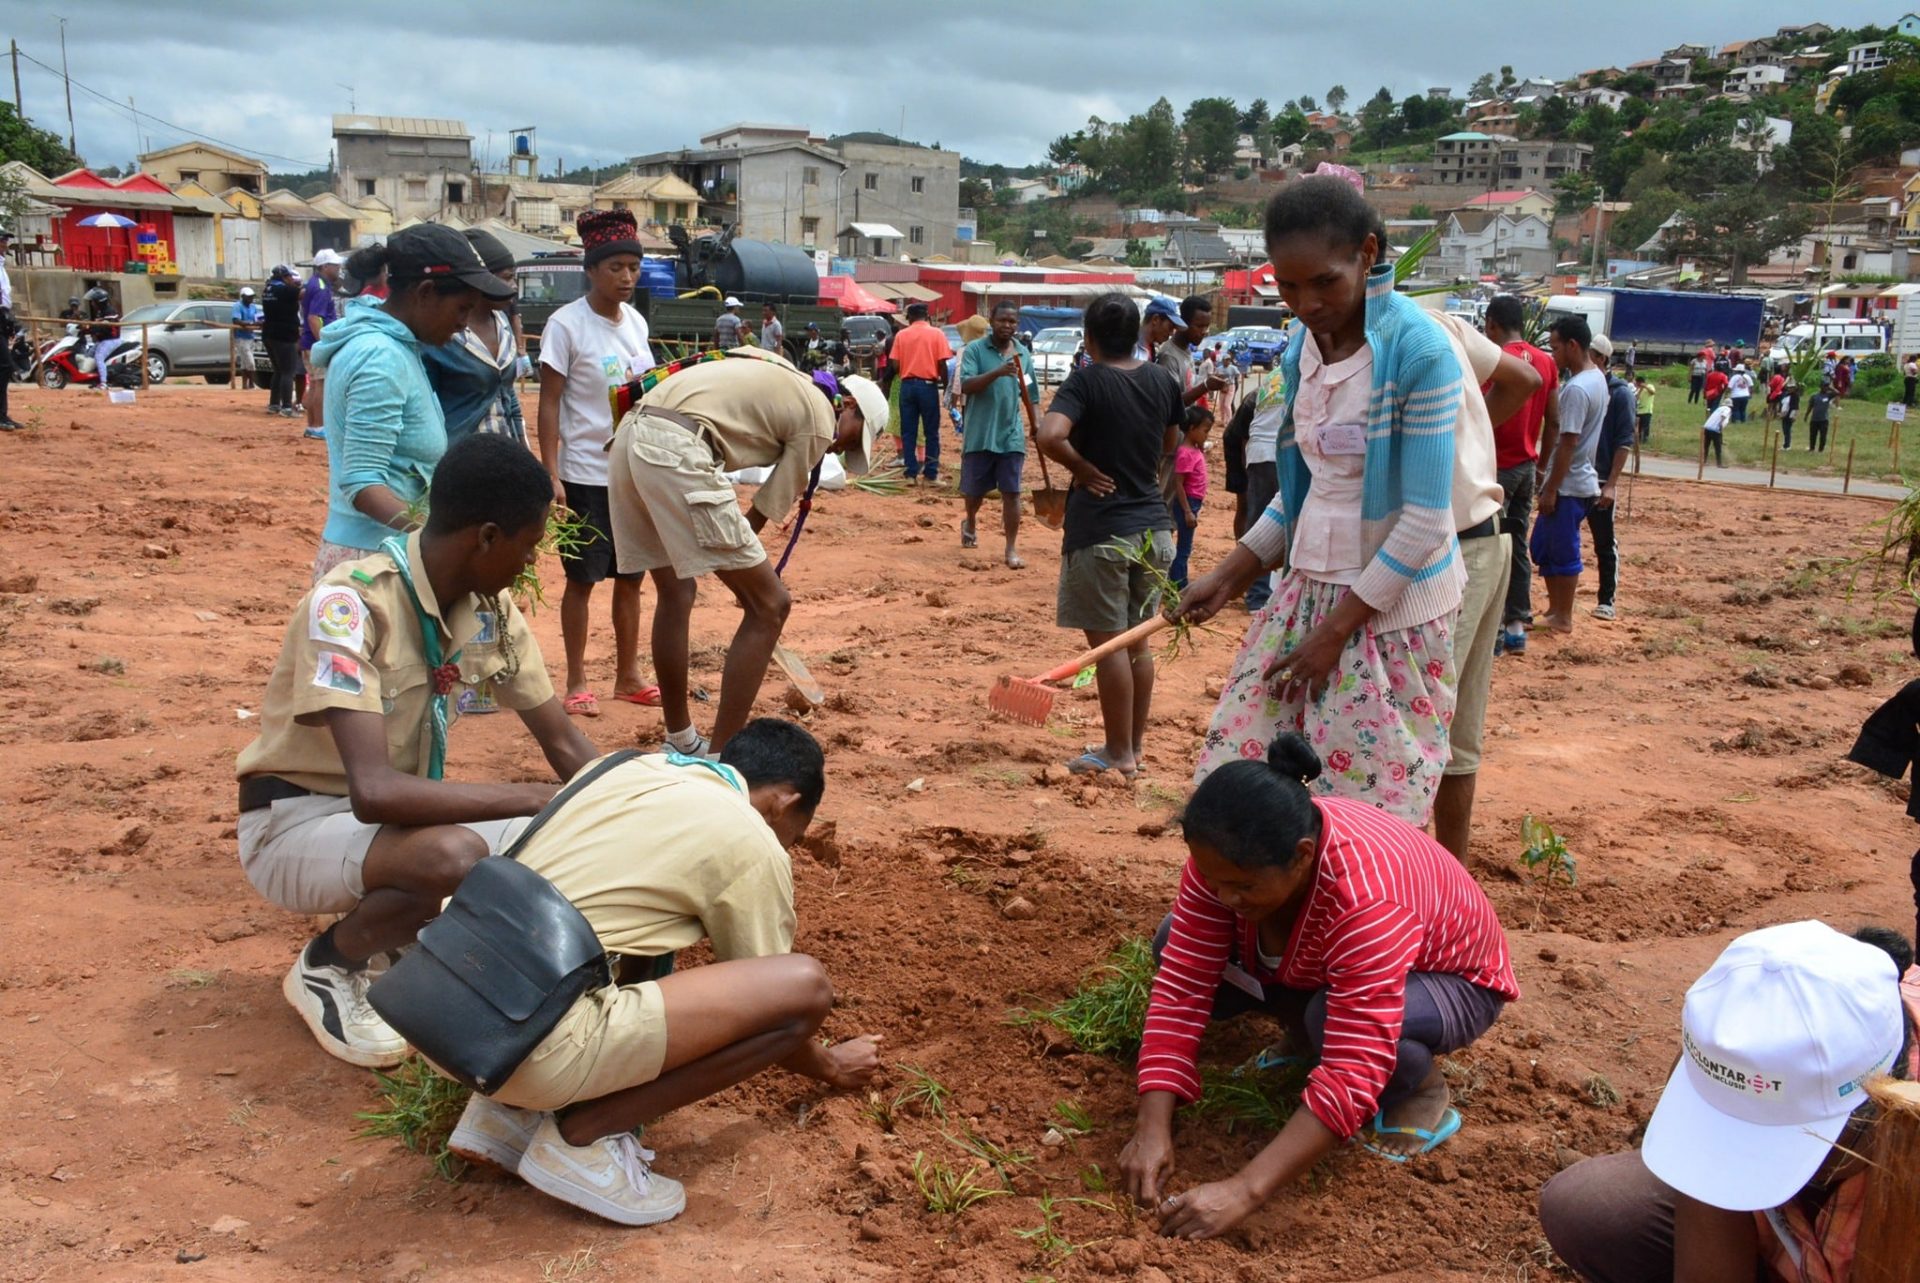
(935, 209)
(775, 200)
(396, 165)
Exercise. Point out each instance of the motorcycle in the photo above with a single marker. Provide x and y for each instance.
(66, 362)
(24, 358)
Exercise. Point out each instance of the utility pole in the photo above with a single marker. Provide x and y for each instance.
(19, 109)
(137, 147)
(72, 145)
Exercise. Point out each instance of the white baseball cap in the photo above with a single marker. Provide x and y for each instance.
(328, 258)
(875, 412)
(1780, 1037)
(731, 301)
(1601, 344)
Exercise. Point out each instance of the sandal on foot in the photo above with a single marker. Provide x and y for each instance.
(646, 696)
(1014, 562)
(581, 704)
(1093, 762)
(1449, 1124)
(969, 538)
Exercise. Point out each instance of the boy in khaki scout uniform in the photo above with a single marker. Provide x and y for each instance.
(659, 853)
(342, 804)
(675, 514)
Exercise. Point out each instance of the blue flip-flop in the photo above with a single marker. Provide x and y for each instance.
(1091, 763)
(1449, 1125)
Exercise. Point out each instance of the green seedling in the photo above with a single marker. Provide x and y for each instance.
(1006, 1163)
(947, 1191)
(420, 1111)
(1093, 1180)
(1546, 856)
(1166, 593)
(1263, 1099)
(878, 1109)
(1069, 1116)
(925, 1092)
(1105, 1015)
(1046, 1237)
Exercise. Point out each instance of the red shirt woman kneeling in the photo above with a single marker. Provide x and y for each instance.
(1363, 935)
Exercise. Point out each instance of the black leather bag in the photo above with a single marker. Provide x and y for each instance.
(493, 974)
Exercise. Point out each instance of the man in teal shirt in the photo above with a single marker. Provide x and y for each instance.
(993, 446)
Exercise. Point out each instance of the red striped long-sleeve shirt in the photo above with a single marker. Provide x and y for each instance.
(1386, 900)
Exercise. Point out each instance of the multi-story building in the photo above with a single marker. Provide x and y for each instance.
(1473, 159)
(1482, 242)
(1466, 158)
(418, 166)
(215, 169)
(1756, 78)
(781, 183)
(1871, 56)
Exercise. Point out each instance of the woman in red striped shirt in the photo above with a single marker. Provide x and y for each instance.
(1360, 932)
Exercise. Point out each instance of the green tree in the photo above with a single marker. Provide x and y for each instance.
(1306, 104)
(1506, 79)
(1211, 127)
(1420, 210)
(976, 192)
(1556, 115)
(1288, 127)
(1630, 228)
(1574, 193)
(1736, 230)
(1482, 87)
(1256, 117)
(21, 139)
(1336, 98)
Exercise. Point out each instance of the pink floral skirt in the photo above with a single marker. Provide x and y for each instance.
(1380, 727)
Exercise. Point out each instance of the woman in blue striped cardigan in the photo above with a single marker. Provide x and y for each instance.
(1354, 649)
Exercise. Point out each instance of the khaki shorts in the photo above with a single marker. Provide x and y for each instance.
(1489, 563)
(671, 504)
(1103, 591)
(612, 1039)
(307, 854)
(243, 357)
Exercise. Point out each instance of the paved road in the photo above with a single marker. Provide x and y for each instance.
(1653, 465)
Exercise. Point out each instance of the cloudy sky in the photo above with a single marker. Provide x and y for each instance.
(607, 79)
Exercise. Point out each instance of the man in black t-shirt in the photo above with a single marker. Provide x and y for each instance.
(280, 330)
(1112, 425)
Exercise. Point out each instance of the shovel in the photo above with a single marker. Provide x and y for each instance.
(1030, 699)
(1049, 505)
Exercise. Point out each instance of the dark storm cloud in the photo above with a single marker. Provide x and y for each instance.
(603, 80)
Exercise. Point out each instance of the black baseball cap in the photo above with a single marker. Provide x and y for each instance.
(434, 252)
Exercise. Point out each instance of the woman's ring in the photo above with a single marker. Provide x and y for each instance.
(1286, 674)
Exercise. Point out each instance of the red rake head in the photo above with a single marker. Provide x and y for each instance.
(1021, 699)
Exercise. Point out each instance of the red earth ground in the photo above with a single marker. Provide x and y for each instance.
(169, 1117)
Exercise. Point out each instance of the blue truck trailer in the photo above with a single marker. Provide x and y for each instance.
(1664, 323)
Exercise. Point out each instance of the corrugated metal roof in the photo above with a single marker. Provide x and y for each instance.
(403, 126)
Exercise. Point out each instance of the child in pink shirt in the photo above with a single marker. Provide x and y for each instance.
(1190, 466)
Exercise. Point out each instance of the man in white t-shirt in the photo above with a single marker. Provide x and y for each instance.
(590, 347)
(1570, 482)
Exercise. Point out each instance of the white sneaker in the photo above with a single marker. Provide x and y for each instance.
(609, 1178)
(492, 1133)
(333, 1002)
(1603, 612)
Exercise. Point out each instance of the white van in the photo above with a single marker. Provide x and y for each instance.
(1855, 338)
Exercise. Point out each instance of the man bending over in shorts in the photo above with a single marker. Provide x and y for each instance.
(659, 853)
(342, 804)
(675, 514)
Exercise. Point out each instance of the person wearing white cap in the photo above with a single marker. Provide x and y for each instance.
(728, 325)
(317, 310)
(1749, 1168)
(246, 318)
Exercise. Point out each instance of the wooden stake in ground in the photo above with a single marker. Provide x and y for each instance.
(1888, 1250)
(143, 362)
(1773, 457)
(1701, 471)
(1847, 482)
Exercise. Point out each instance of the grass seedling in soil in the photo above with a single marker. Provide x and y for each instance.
(566, 533)
(925, 1092)
(1546, 856)
(1069, 1117)
(1105, 1015)
(889, 480)
(1053, 1246)
(947, 1191)
(1262, 1099)
(1006, 1163)
(880, 1110)
(420, 1111)
(1093, 1180)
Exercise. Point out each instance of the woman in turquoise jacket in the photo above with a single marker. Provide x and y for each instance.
(1355, 649)
(384, 428)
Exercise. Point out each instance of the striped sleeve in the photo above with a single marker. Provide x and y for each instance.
(1368, 955)
(1190, 969)
(1267, 537)
(1427, 392)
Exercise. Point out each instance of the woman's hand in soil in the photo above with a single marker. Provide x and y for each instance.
(852, 1063)
(1145, 1165)
(1207, 1211)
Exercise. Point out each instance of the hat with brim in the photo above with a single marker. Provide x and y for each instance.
(1164, 307)
(1726, 1162)
(434, 252)
(875, 411)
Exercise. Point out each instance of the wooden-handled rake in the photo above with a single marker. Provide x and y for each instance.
(1030, 699)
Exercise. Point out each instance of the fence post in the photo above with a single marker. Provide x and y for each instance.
(1701, 471)
(1846, 483)
(143, 361)
(1773, 457)
(233, 359)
